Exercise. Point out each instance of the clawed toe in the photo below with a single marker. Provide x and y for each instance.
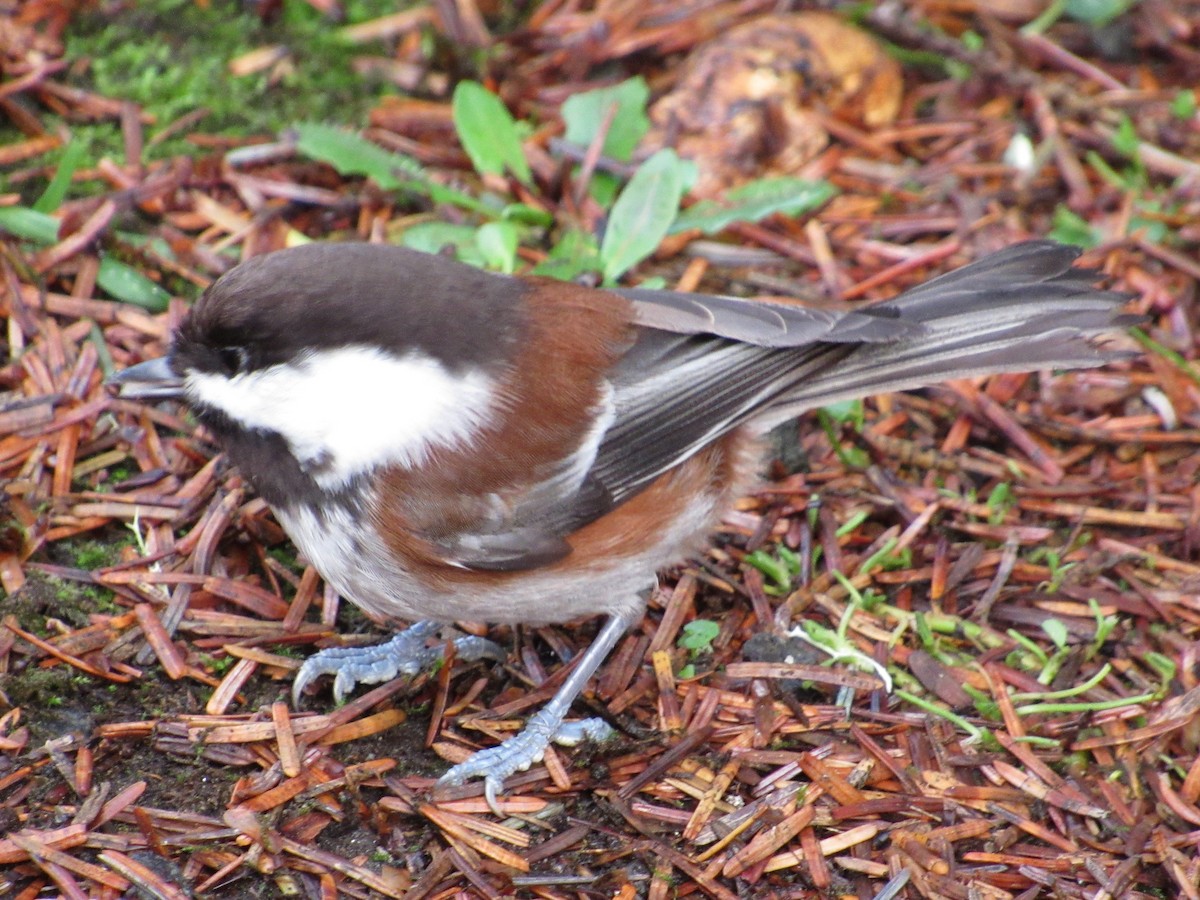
(405, 654)
(518, 753)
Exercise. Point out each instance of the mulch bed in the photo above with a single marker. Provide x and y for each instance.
(1043, 739)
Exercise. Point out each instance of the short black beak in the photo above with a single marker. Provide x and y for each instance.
(151, 380)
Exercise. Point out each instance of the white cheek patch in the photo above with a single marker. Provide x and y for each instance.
(346, 411)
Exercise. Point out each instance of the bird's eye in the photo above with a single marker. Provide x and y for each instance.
(233, 359)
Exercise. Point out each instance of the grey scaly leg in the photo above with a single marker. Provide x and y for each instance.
(529, 746)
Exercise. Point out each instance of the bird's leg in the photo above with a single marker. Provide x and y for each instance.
(405, 654)
(526, 748)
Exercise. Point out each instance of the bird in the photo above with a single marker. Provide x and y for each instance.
(444, 443)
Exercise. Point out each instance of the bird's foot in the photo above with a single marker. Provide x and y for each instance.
(546, 725)
(521, 751)
(405, 654)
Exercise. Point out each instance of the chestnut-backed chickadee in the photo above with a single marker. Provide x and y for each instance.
(444, 443)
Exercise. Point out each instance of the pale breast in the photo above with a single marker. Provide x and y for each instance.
(614, 560)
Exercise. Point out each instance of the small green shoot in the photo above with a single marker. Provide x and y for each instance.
(999, 501)
(781, 569)
(836, 644)
(1163, 665)
(56, 191)
(28, 224)
(928, 59)
(852, 523)
(984, 704)
(924, 632)
(698, 636)
(1049, 663)
(1073, 691)
(1104, 628)
(524, 214)
(1053, 560)
(972, 40)
(831, 418)
(1183, 106)
(887, 558)
(1125, 139)
(1029, 646)
(1050, 708)
(974, 734)
(1122, 181)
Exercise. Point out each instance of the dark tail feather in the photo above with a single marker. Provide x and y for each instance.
(1020, 309)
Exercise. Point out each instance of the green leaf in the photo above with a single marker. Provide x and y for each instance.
(699, 634)
(604, 188)
(352, 154)
(1070, 228)
(575, 254)
(434, 237)
(1108, 173)
(1183, 106)
(1096, 12)
(653, 283)
(847, 412)
(1057, 632)
(497, 243)
(29, 224)
(583, 114)
(527, 215)
(120, 281)
(128, 285)
(1155, 231)
(488, 133)
(643, 213)
(56, 190)
(754, 201)
(1125, 140)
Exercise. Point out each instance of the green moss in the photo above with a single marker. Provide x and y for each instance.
(40, 688)
(171, 58)
(94, 555)
(217, 665)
